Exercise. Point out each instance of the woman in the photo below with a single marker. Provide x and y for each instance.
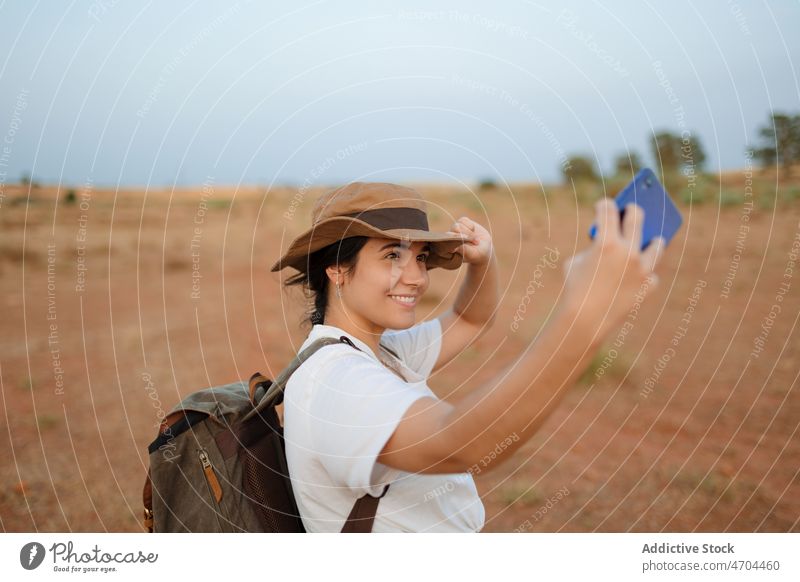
(356, 420)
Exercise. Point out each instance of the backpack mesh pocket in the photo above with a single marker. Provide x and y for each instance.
(266, 475)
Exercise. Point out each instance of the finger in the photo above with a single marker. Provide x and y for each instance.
(607, 221)
(567, 265)
(652, 283)
(653, 253)
(462, 250)
(466, 223)
(632, 225)
(464, 236)
(464, 231)
(572, 261)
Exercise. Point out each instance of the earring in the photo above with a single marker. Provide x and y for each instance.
(338, 290)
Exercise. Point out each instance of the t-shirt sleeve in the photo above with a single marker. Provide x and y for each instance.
(418, 346)
(355, 406)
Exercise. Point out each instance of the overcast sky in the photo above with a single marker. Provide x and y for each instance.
(324, 92)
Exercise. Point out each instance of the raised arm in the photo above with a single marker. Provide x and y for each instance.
(601, 285)
(475, 307)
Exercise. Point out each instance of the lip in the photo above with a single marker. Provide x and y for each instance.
(406, 305)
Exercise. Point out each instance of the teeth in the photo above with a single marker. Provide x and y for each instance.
(403, 299)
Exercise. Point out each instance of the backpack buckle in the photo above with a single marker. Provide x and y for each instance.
(148, 520)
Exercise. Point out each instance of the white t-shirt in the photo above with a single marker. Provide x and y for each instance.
(340, 408)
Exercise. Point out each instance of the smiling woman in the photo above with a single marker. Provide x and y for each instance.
(342, 405)
(362, 423)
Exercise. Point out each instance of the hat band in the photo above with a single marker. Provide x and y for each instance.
(391, 218)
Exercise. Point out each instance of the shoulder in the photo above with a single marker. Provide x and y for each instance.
(418, 337)
(342, 367)
(334, 375)
(426, 329)
(337, 354)
(418, 346)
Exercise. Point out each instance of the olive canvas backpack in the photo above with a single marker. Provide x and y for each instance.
(219, 463)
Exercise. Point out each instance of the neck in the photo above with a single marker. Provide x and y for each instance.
(366, 331)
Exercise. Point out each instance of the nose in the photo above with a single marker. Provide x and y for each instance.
(412, 272)
(415, 273)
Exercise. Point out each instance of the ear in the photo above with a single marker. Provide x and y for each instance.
(333, 272)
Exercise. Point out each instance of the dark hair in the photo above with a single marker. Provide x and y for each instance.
(315, 280)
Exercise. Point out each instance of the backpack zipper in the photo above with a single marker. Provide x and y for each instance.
(214, 488)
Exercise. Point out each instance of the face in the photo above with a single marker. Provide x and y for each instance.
(388, 281)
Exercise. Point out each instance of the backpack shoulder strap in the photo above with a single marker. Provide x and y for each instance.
(147, 499)
(391, 351)
(346, 339)
(362, 516)
(275, 393)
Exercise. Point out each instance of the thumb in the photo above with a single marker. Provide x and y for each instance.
(651, 284)
(569, 263)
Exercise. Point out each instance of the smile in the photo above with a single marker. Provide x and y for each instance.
(405, 300)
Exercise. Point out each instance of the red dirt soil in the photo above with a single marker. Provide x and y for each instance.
(712, 446)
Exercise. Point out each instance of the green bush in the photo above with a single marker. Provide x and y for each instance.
(792, 194)
(520, 493)
(603, 365)
(766, 201)
(487, 184)
(692, 196)
(587, 193)
(729, 198)
(579, 168)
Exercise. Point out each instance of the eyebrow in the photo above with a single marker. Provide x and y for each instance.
(427, 246)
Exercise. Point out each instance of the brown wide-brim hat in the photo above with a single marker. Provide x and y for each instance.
(375, 209)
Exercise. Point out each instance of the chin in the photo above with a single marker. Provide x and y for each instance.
(400, 321)
(397, 327)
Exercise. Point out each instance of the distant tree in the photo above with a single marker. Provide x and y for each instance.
(579, 168)
(487, 184)
(25, 179)
(627, 164)
(765, 155)
(693, 154)
(781, 141)
(666, 148)
(674, 153)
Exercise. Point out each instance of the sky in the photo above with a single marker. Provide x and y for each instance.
(126, 93)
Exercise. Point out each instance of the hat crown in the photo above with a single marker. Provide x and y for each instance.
(360, 196)
(372, 209)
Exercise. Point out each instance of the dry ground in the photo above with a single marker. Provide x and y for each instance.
(712, 447)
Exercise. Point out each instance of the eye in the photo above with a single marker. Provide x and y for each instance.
(422, 257)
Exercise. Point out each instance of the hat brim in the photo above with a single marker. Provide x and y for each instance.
(442, 254)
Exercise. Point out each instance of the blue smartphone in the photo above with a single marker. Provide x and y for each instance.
(661, 216)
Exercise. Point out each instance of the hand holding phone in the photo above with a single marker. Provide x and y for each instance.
(606, 279)
(661, 216)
